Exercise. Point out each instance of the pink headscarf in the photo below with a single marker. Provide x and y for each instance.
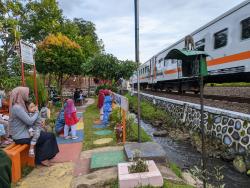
(18, 96)
(70, 107)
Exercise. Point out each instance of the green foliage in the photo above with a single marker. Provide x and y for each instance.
(115, 117)
(175, 169)
(102, 66)
(216, 175)
(234, 84)
(26, 170)
(138, 165)
(108, 67)
(111, 87)
(60, 56)
(127, 69)
(149, 112)
(41, 90)
(41, 19)
(8, 83)
(167, 184)
(9, 34)
(132, 135)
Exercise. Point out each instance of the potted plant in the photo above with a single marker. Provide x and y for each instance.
(139, 172)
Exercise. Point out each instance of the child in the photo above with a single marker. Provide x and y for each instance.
(70, 119)
(36, 129)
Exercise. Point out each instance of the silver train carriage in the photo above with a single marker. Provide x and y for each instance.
(226, 39)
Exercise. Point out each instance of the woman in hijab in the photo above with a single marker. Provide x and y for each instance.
(100, 102)
(20, 122)
(70, 119)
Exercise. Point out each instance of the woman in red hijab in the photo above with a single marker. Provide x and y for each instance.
(100, 102)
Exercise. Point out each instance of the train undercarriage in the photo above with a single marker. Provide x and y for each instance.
(193, 84)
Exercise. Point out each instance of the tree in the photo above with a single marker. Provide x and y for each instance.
(127, 69)
(84, 33)
(59, 55)
(102, 66)
(108, 67)
(41, 19)
(10, 11)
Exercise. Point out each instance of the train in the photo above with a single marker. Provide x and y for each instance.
(227, 41)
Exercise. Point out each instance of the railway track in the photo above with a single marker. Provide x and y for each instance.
(233, 103)
(211, 97)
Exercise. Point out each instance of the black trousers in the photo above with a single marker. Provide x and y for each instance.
(46, 147)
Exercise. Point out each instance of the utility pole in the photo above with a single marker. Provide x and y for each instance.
(137, 59)
(203, 149)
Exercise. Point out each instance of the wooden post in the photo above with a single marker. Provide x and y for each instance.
(23, 79)
(35, 85)
(123, 126)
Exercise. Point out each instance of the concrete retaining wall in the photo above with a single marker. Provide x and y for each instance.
(232, 128)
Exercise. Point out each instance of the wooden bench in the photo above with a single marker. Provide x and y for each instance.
(5, 107)
(19, 154)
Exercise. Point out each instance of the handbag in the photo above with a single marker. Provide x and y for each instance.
(2, 130)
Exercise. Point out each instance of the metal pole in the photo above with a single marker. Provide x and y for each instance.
(202, 131)
(35, 85)
(137, 60)
(22, 64)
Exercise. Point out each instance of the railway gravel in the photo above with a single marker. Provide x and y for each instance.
(233, 106)
(228, 91)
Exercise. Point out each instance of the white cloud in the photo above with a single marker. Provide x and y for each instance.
(161, 22)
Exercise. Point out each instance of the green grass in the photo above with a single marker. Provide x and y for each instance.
(133, 135)
(150, 112)
(175, 169)
(235, 84)
(167, 184)
(26, 170)
(91, 114)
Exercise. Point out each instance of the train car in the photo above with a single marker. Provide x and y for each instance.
(227, 41)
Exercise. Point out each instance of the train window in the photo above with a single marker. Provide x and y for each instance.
(200, 45)
(220, 38)
(245, 31)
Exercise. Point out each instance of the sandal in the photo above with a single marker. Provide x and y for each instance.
(46, 163)
(74, 137)
(67, 137)
(31, 153)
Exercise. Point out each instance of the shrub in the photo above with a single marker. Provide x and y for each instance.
(41, 90)
(138, 165)
(149, 112)
(175, 169)
(112, 87)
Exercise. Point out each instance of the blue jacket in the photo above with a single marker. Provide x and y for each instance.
(107, 105)
(60, 122)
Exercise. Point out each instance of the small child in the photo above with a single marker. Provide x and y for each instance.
(70, 119)
(36, 129)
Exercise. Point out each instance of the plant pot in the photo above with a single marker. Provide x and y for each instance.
(126, 180)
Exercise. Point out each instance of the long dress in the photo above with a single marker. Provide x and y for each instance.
(107, 108)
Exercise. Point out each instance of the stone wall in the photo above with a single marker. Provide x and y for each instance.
(232, 128)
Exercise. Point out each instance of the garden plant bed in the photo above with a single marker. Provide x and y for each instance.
(126, 180)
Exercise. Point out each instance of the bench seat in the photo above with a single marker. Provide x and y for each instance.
(19, 154)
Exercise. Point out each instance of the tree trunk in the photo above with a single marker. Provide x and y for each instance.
(88, 86)
(59, 84)
(49, 80)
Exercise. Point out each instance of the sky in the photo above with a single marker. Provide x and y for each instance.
(162, 22)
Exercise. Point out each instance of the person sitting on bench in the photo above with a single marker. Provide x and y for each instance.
(20, 122)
